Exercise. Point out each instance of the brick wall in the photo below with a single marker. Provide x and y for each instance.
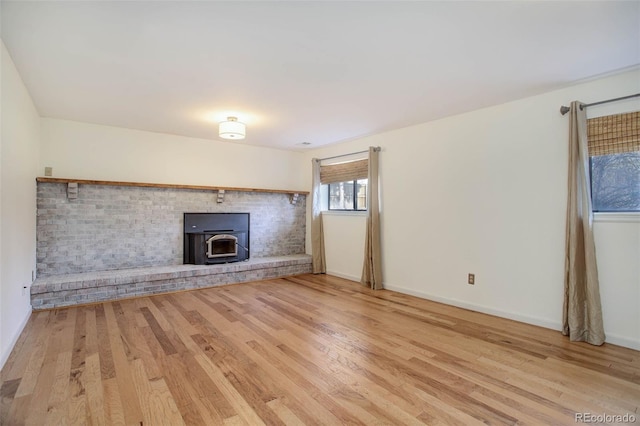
(116, 227)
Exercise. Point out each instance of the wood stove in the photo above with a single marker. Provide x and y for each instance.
(211, 238)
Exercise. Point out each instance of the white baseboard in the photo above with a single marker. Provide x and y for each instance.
(622, 341)
(553, 325)
(541, 322)
(345, 276)
(5, 355)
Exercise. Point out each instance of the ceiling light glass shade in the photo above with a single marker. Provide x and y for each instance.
(232, 129)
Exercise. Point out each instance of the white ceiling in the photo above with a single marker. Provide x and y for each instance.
(318, 72)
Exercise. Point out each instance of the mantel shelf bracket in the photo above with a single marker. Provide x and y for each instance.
(72, 190)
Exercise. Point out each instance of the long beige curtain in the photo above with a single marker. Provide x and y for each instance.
(372, 268)
(582, 311)
(319, 263)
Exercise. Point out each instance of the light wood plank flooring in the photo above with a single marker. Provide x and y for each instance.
(304, 350)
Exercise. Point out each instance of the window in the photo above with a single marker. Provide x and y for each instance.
(615, 182)
(614, 160)
(348, 195)
(345, 184)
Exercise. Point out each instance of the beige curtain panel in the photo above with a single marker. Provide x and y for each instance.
(319, 263)
(614, 134)
(582, 311)
(372, 268)
(343, 172)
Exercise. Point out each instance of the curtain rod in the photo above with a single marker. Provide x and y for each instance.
(375, 148)
(565, 109)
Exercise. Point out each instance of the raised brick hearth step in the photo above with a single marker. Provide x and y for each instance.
(74, 289)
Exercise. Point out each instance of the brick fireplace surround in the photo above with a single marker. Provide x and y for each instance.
(115, 241)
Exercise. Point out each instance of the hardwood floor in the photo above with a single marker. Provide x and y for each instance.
(304, 350)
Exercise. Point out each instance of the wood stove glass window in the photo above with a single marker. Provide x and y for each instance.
(222, 245)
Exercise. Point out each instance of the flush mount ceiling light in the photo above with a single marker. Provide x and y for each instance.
(232, 129)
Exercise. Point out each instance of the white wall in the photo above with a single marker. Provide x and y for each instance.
(485, 193)
(18, 165)
(618, 251)
(344, 233)
(90, 151)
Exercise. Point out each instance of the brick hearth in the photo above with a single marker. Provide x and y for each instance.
(90, 287)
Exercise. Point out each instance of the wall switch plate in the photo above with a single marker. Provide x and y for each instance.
(48, 171)
(471, 279)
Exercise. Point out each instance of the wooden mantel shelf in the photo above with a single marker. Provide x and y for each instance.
(165, 185)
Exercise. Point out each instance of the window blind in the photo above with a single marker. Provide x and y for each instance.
(614, 134)
(342, 172)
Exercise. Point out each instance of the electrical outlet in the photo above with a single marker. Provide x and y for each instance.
(471, 279)
(48, 171)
